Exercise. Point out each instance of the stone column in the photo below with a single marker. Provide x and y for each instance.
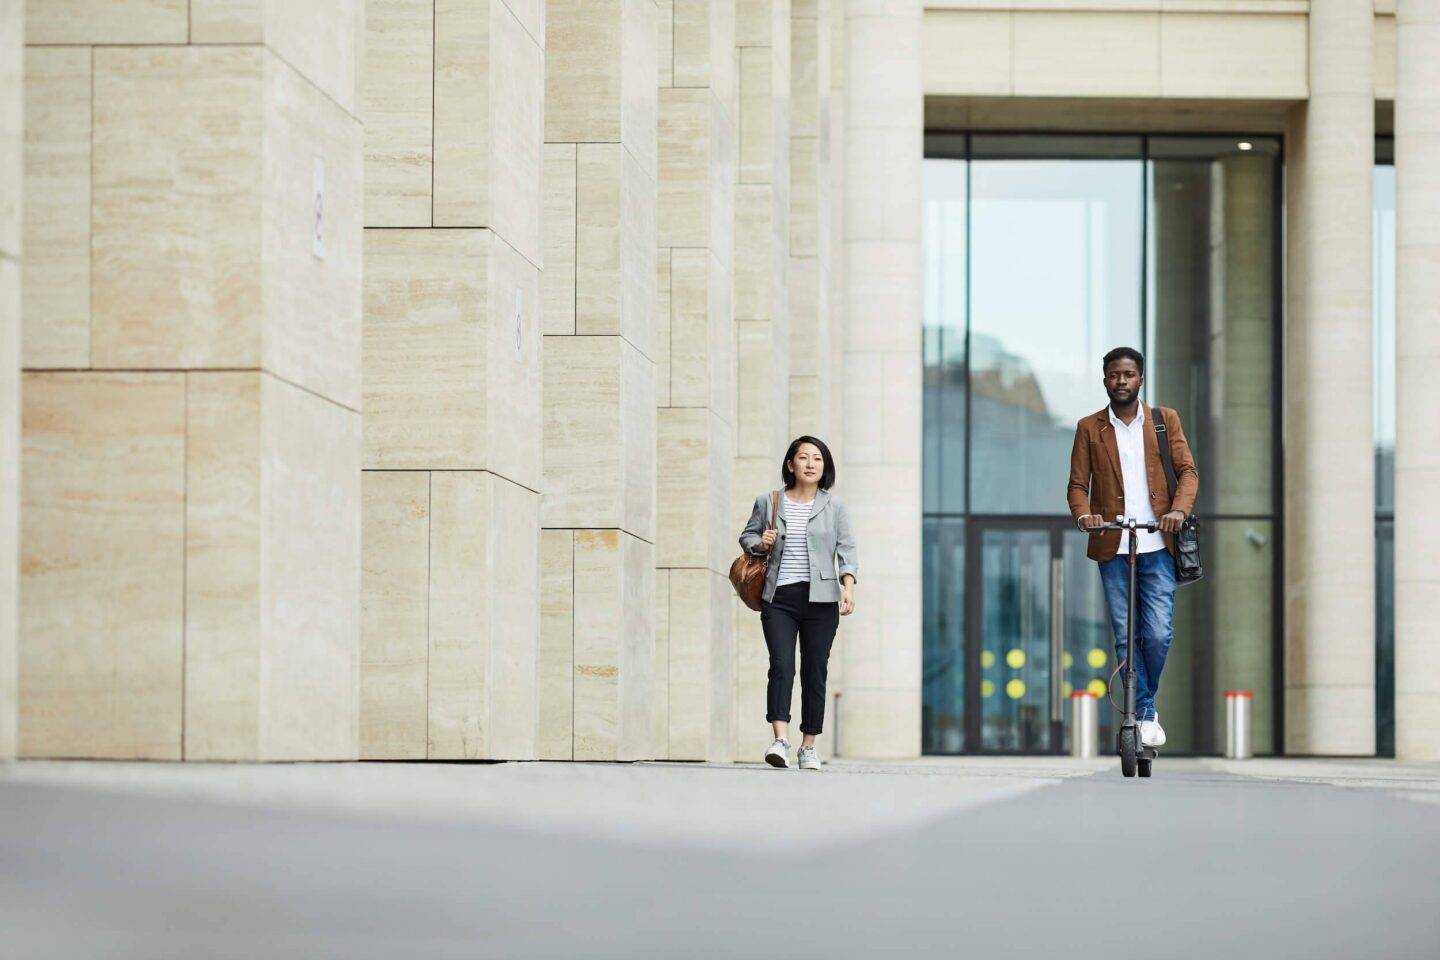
(452, 99)
(695, 382)
(1417, 349)
(810, 239)
(12, 50)
(191, 527)
(1329, 453)
(880, 471)
(762, 331)
(598, 509)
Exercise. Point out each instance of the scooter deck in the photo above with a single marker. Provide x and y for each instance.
(1148, 753)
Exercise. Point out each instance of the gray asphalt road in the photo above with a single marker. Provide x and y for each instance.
(1189, 864)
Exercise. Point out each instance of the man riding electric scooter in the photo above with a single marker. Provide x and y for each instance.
(1116, 470)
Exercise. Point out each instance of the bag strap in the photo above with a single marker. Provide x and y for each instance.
(775, 508)
(1162, 436)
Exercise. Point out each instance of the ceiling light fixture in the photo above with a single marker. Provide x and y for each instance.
(1245, 145)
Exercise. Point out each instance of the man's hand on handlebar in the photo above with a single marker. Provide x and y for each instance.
(1170, 523)
(1090, 521)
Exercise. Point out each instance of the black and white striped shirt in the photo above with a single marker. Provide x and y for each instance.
(795, 561)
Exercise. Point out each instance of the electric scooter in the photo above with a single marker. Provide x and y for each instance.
(1134, 756)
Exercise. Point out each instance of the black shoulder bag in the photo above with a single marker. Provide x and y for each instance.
(1187, 541)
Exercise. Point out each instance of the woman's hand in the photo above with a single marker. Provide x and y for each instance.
(847, 599)
(767, 539)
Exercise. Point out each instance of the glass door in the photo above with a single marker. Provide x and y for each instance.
(1037, 631)
(1017, 638)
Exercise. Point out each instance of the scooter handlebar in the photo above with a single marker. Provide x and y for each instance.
(1152, 526)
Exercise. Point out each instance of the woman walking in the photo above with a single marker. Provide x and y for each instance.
(809, 586)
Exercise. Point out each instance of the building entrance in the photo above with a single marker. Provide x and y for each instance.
(1040, 254)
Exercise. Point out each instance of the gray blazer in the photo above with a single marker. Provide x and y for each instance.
(832, 545)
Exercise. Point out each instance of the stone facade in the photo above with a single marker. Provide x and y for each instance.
(453, 97)
(599, 380)
(392, 377)
(191, 494)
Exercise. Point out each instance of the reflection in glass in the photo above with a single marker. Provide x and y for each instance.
(1385, 638)
(1055, 283)
(1212, 316)
(1224, 640)
(943, 333)
(1384, 403)
(1042, 253)
(1015, 640)
(1089, 656)
(942, 728)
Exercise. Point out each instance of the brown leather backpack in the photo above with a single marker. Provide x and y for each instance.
(747, 573)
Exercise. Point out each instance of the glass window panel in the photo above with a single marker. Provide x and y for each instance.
(943, 452)
(1015, 640)
(1089, 657)
(942, 716)
(1211, 317)
(1054, 283)
(1385, 638)
(1224, 640)
(1384, 349)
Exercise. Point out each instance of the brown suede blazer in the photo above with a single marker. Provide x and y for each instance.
(1096, 485)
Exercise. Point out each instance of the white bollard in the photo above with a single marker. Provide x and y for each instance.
(1084, 724)
(1238, 704)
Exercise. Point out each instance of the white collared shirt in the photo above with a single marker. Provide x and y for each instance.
(1130, 439)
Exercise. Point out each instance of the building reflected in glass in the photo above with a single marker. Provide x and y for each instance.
(1042, 253)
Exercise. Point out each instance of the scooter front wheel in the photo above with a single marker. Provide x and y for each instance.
(1128, 751)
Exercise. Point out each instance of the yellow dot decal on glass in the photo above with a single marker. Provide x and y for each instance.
(1015, 658)
(987, 688)
(1015, 689)
(987, 658)
(1066, 689)
(1068, 660)
(1096, 658)
(1097, 687)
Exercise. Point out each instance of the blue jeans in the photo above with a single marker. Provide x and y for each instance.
(1154, 618)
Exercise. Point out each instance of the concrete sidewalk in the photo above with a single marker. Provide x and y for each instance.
(1006, 856)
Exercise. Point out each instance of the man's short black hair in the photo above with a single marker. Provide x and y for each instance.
(1124, 353)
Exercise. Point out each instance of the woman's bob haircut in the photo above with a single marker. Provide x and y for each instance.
(827, 475)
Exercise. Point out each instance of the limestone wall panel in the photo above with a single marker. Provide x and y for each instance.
(9, 492)
(425, 348)
(312, 295)
(484, 618)
(310, 577)
(222, 566)
(394, 615)
(56, 328)
(227, 21)
(560, 214)
(176, 230)
(114, 21)
(102, 565)
(557, 645)
(398, 109)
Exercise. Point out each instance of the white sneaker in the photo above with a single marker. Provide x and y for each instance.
(807, 759)
(1151, 733)
(779, 753)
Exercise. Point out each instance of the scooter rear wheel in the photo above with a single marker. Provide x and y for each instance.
(1144, 767)
(1128, 752)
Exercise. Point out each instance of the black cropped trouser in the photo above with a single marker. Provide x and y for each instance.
(789, 615)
